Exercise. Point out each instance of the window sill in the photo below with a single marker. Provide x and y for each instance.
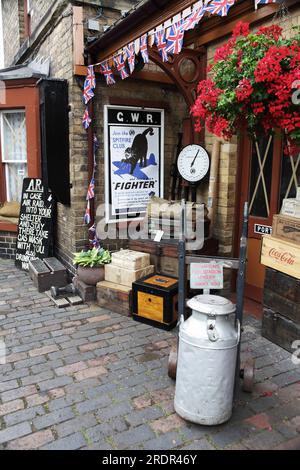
(8, 227)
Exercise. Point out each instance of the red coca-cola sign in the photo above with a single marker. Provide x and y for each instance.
(282, 256)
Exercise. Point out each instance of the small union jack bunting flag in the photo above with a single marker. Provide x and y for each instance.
(120, 65)
(175, 39)
(86, 120)
(91, 190)
(130, 53)
(106, 71)
(144, 48)
(219, 7)
(193, 19)
(93, 238)
(91, 78)
(88, 93)
(87, 215)
(264, 2)
(161, 43)
(89, 85)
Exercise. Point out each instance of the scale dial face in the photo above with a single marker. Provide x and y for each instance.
(193, 163)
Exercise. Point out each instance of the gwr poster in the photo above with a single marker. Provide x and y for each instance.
(134, 143)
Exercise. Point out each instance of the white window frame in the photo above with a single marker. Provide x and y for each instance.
(3, 160)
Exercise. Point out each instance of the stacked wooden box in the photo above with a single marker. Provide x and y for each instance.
(115, 291)
(281, 319)
(155, 301)
(165, 216)
(164, 254)
(281, 255)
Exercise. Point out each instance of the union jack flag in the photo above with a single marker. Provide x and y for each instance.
(264, 2)
(219, 7)
(86, 120)
(119, 62)
(89, 84)
(144, 48)
(88, 93)
(191, 21)
(91, 78)
(106, 71)
(160, 41)
(93, 238)
(175, 39)
(87, 215)
(91, 190)
(130, 52)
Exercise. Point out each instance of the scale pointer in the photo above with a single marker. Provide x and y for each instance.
(195, 159)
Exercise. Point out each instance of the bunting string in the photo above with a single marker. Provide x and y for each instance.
(168, 38)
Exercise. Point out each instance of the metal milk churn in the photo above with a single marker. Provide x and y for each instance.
(206, 365)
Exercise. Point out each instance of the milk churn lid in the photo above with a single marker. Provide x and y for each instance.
(211, 304)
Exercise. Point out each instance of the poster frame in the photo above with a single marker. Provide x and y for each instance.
(107, 171)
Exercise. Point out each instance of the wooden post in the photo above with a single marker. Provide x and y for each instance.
(213, 182)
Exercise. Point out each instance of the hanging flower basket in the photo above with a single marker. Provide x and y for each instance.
(254, 82)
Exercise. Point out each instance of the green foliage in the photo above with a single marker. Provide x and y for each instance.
(92, 258)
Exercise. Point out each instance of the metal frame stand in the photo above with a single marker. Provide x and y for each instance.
(238, 264)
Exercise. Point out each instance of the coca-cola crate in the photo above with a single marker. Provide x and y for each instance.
(281, 255)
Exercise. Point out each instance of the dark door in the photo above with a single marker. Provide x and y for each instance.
(266, 176)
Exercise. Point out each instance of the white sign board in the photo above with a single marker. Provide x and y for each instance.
(134, 149)
(206, 275)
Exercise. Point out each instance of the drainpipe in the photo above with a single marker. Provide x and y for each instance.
(90, 134)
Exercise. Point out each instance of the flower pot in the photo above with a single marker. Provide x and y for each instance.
(90, 276)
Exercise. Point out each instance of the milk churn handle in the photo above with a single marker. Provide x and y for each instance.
(212, 332)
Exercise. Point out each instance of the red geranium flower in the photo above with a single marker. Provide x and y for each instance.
(274, 31)
(244, 90)
(241, 29)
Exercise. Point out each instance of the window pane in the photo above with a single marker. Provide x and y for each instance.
(289, 173)
(15, 172)
(14, 136)
(261, 181)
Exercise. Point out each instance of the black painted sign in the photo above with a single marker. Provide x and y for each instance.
(35, 223)
(263, 229)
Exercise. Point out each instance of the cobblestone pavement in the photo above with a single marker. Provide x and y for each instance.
(88, 378)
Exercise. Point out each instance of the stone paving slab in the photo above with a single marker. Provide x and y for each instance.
(87, 378)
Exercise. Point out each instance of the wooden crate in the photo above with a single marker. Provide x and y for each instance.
(125, 277)
(285, 307)
(129, 259)
(170, 248)
(47, 273)
(286, 228)
(155, 301)
(169, 266)
(280, 330)
(114, 297)
(281, 255)
(291, 207)
(282, 294)
(284, 285)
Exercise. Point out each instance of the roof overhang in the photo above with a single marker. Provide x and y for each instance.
(146, 16)
(149, 14)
